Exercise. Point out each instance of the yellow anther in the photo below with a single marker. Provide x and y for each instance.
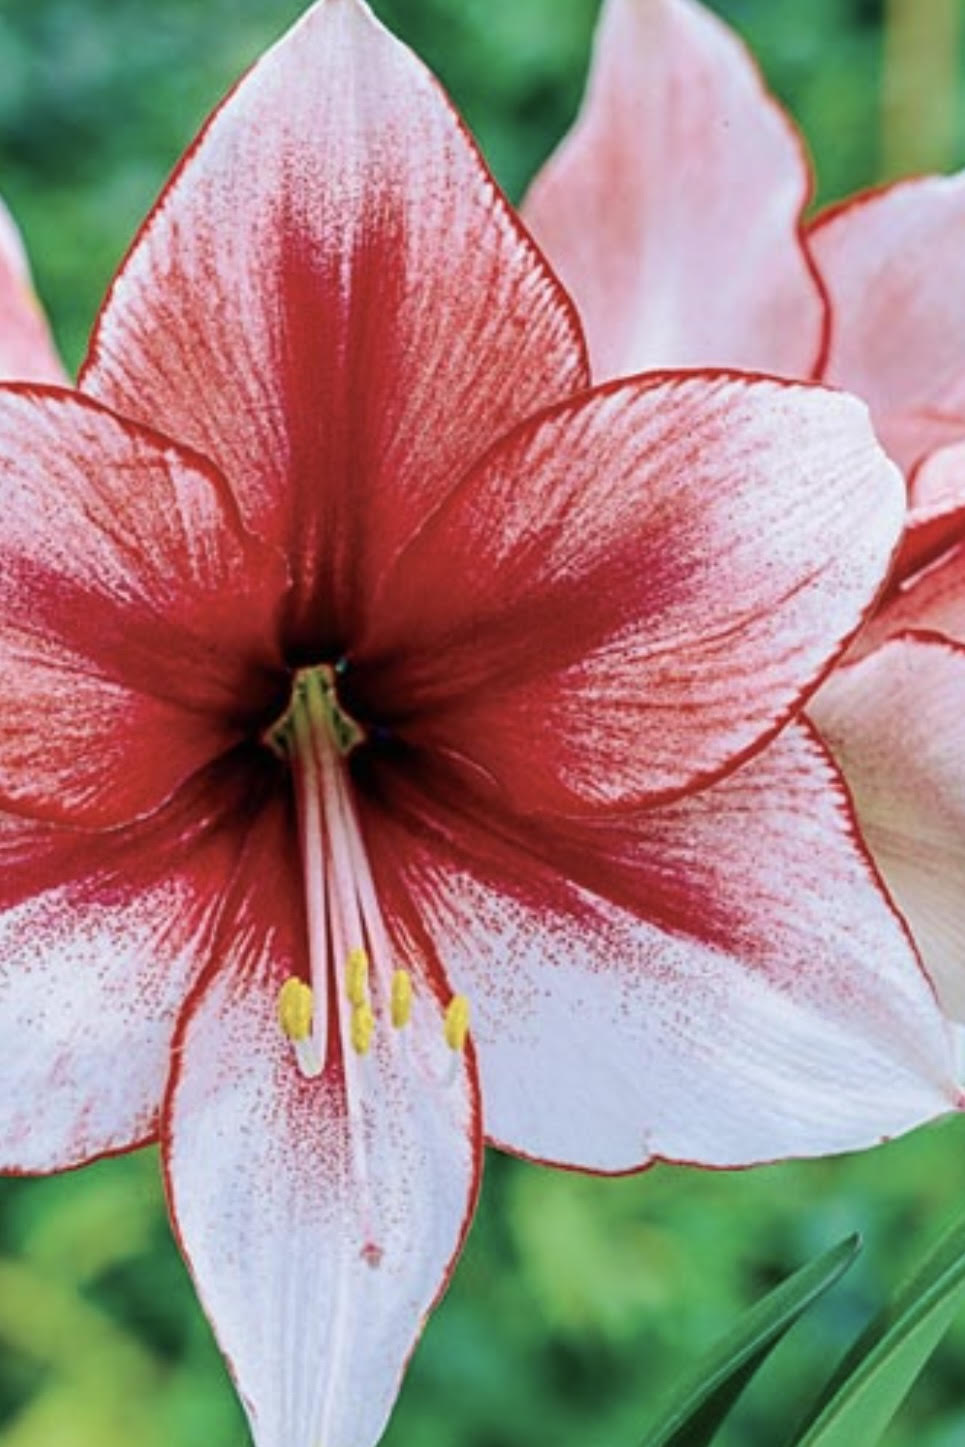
(294, 1006)
(363, 1023)
(357, 976)
(457, 1022)
(401, 1002)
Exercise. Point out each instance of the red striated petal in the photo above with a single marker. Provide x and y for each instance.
(333, 302)
(318, 1238)
(137, 617)
(894, 266)
(719, 981)
(101, 937)
(26, 349)
(673, 208)
(635, 589)
(894, 722)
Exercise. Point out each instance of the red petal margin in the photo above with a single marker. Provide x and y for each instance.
(894, 266)
(932, 601)
(894, 723)
(138, 619)
(101, 937)
(673, 208)
(26, 349)
(719, 981)
(936, 517)
(319, 1234)
(635, 590)
(334, 302)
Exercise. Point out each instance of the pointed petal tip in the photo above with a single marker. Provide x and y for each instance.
(625, 205)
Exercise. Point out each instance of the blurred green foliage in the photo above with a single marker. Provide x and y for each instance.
(576, 1296)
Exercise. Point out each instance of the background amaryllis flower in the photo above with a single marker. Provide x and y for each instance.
(894, 272)
(398, 739)
(702, 260)
(26, 348)
(673, 209)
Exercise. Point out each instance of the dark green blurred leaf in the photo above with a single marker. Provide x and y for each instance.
(880, 1369)
(701, 1401)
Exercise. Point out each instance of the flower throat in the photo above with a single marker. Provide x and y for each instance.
(351, 959)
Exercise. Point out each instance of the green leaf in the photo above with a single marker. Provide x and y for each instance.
(698, 1403)
(877, 1373)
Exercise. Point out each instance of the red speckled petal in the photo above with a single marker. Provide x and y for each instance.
(137, 617)
(719, 981)
(320, 1219)
(333, 301)
(635, 589)
(101, 937)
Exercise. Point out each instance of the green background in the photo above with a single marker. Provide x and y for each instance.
(576, 1297)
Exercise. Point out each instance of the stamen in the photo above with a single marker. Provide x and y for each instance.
(400, 1005)
(357, 976)
(295, 1009)
(362, 1026)
(456, 1026)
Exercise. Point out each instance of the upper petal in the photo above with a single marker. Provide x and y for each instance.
(720, 980)
(635, 589)
(319, 1217)
(138, 619)
(894, 723)
(334, 302)
(894, 266)
(101, 938)
(27, 352)
(672, 210)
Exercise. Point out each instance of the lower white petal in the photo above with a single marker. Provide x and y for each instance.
(319, 1216)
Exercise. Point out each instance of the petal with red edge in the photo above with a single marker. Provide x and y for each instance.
(672, 210)
(319, 1233)
(932, 600)
(137, 617)
(26, 349)
(894, 723)
(333, 301)
(635, 589)
(894, 267)
(718, 981)
(935, 528)
(101, 936)
(936, 518)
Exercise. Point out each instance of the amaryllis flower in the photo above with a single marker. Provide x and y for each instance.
(399, 740)
(893, 266)
(672, 211)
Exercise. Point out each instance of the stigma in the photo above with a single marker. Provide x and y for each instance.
(358, 989)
